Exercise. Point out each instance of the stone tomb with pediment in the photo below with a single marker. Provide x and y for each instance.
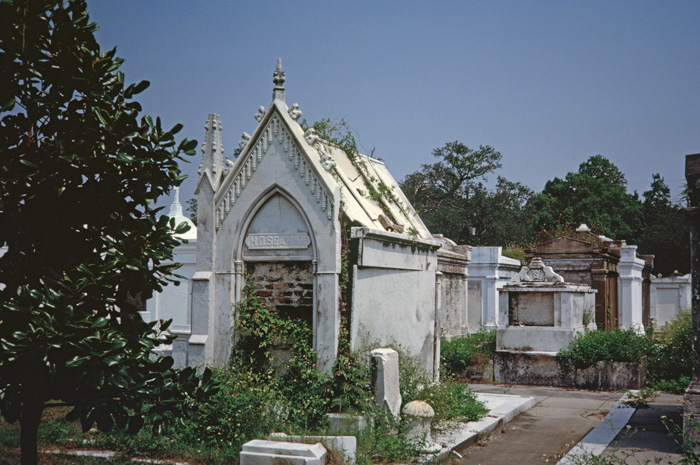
(276, 218)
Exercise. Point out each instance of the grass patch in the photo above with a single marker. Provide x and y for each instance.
(453, 401)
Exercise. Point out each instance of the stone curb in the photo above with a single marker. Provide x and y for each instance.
(600, 437)
(502, 409)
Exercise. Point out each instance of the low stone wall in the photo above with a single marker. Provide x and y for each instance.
(612, 376)
(542, 369)
(479, 372)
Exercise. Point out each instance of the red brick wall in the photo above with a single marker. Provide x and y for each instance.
(287, 284)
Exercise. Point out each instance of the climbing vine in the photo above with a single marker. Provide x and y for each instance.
(340, 135)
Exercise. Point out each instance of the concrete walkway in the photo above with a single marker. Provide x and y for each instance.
(543, 434)
(648, 440)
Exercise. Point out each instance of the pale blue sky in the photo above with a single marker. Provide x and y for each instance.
(546, 83)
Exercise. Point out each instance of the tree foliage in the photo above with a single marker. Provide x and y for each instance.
(664, 231)
(595, 195)
(452, 198)
(80, 173)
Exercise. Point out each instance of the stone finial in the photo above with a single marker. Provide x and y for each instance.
(278, 78)
(176, 206)
(583, 228)
(313, 139)
(212, 148)
(228, 166)
(260, 114)
(537, 271)
(294, 112)
(418, 408)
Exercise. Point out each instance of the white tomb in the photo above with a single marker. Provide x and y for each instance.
(279, 213)
(489, 271)
(453, 308)
(630, 270)
(669, 295)
(544, 313)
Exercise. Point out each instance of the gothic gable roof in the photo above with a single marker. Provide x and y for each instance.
(361, 185)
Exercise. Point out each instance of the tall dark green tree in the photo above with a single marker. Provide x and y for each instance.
(452, 198)
(664, 231)
(79, 175)
(596, 195)
(505, 220)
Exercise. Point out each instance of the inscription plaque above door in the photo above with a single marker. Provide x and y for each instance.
(273, 241)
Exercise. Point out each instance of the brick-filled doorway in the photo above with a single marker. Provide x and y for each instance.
(286, 287)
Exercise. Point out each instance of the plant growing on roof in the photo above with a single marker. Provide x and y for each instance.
(340, 135)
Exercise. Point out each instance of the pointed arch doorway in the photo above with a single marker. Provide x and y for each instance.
(278, 253)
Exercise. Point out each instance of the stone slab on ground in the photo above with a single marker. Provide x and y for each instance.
(261, 452)
(559, 419)
(108, 454)
(345, 444)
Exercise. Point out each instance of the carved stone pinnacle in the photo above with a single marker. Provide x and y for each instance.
(278, 76)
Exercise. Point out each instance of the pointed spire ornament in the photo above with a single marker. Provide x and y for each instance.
(176, 206)
(278, 75)
(212, 148)
(278, 78)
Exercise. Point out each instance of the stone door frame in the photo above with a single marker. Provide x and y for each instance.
(239, 261)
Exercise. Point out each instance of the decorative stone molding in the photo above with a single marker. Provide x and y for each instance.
(313, 139)
(294, 112)
(245, 140)
(537, 271)
(244, 169)
(260, 114)
(212, 148)
(228, 166)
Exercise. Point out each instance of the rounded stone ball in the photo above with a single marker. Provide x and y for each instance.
(418, 408)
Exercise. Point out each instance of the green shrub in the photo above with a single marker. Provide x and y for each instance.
(671, 363)
(385, 442)
(247, 407)
(674, 386)
(476, 349)
(351, 384)
(257, 397)
(452, 400)
(413, 377)
(592, 347)
(514, 251)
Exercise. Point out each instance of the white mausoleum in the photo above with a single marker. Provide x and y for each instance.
(283, 214)
(173, 301)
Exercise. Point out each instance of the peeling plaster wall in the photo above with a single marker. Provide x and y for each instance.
(394, 294)
(453, 310)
